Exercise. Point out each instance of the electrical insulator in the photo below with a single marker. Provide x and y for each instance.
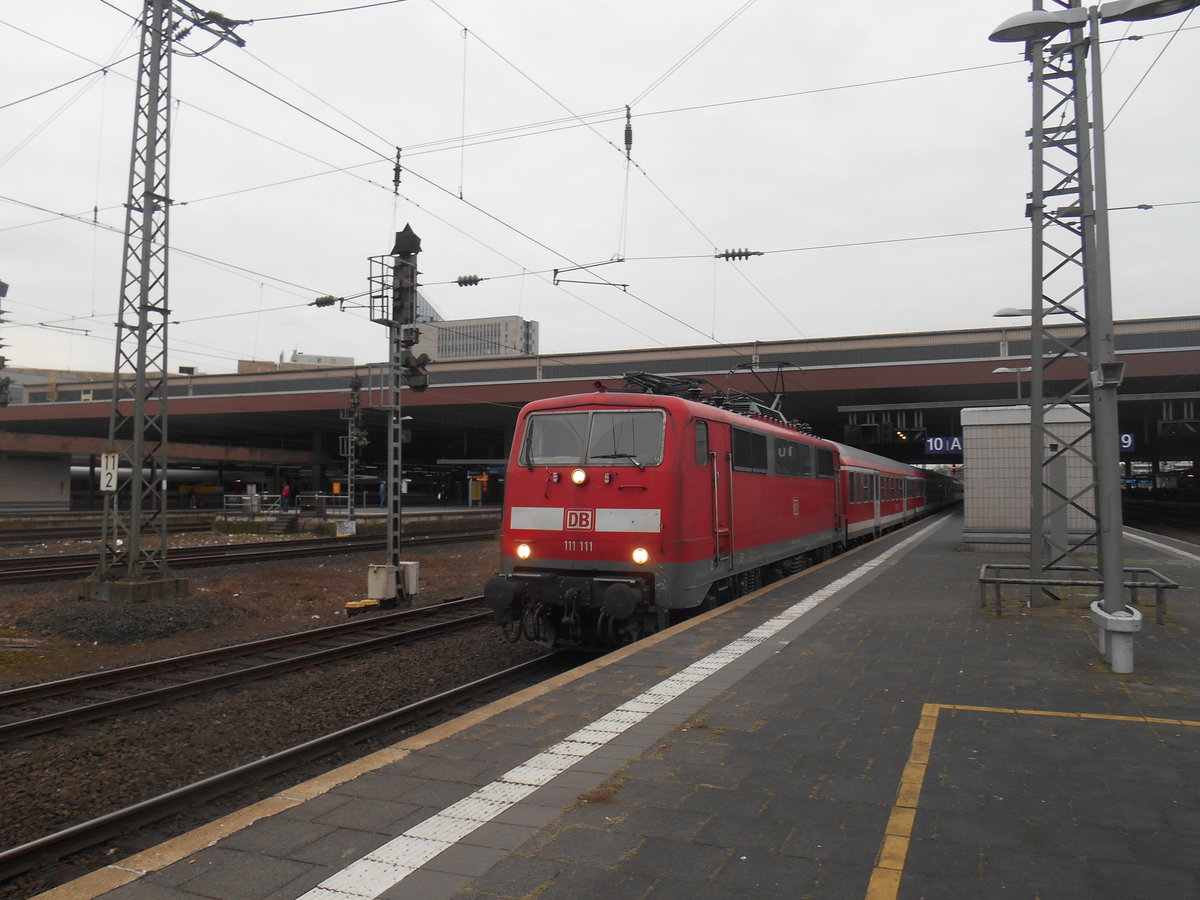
(324, 301)
(738, 254)
(468, 280)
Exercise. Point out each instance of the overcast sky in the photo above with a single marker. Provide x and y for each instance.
(874, 152)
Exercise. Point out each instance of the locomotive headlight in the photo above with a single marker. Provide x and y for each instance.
(641, 556)
(578, 476)
(524, 551)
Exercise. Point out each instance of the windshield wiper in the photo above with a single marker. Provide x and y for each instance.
(629, 456)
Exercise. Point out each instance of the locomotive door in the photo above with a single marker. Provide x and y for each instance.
(718, 453)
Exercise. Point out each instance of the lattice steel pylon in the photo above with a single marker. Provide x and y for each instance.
(134, 530)
(1071, 368)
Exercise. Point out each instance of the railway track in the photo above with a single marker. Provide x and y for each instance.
(25, 569)
(48, 850)
(1177, 520)
(30, 535)
(39, 708)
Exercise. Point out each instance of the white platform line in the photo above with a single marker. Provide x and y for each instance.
(1145, 540)
(391, 863)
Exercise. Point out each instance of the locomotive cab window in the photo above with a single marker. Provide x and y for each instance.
(600, 437)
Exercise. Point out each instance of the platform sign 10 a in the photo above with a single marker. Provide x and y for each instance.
(935, 446)
(943, 446)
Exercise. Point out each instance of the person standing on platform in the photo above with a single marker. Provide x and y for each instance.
(285, 496)
(383, 495)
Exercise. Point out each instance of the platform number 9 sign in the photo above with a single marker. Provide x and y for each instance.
(108, 471)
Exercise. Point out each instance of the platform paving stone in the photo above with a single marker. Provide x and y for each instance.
(759, 874)
(428, 885)
(517, 875)
(339, 848)
(670, 889)
(281, 839)
(587, 881)
(214, 874)
(366, 814)
(664, 858)
(590, 846)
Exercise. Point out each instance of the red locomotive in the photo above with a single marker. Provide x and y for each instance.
(623, 509)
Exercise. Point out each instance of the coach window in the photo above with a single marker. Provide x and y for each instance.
(824, 463)
(749, 451)
(701, 443)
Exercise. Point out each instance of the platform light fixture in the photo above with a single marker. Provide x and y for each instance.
(1043, 24)
(1013, 370)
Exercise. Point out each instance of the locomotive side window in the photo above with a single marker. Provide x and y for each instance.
(626, 438)
(749, 451)
(824, 463)
(702, 443)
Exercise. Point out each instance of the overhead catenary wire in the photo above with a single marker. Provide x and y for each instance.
(1149, 69)
(791, 250)
(325, 12)
(658, 82)
(103, 70)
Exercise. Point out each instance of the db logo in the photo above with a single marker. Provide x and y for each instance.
(581, 519)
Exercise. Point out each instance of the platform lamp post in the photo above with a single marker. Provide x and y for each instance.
(1011, 312)
(1011, 370)
(1116, 622)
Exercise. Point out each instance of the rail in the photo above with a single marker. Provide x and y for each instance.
(48, 568)
(319, 503)
(192, 674)
(1156, 582)
(17, 860)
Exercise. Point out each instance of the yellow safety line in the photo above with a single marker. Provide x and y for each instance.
(893, 851)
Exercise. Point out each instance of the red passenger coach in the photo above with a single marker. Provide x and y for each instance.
(623, 508)
(880, 493)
